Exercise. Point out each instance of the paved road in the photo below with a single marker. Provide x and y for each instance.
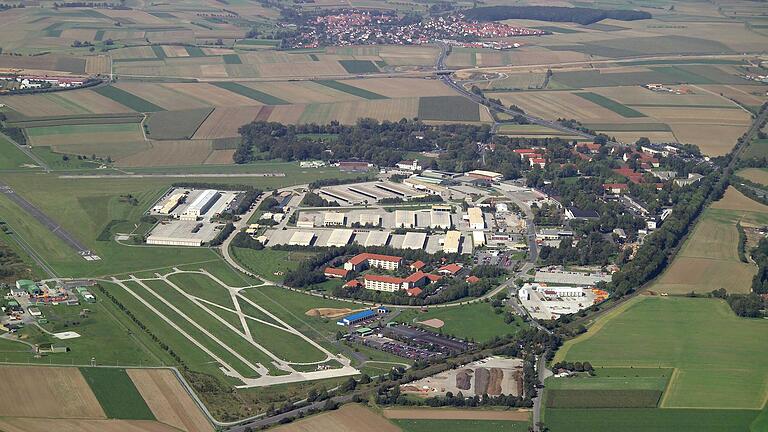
(44, 219)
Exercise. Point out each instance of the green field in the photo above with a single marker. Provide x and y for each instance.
(355, 91)
(232, 59)
(473, 321)
(176, 125)
(462, 425)
(194, 51)
(11, 157)
(267, 262)
(248, 92)
(615, 379)
(611, 104)
(79, 119)
(648, 420)
(756, 148)
(717, 355)
(128, 99)
(448, 108)
(358, 66)
(100, 129)
(557, 398)
(116, 394)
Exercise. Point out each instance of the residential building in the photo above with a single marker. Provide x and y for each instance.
(338, 273)
(410, 165)
(366, 260)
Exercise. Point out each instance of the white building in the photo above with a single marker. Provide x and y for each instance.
(410, 165)
(333, 219)
(301, 238)
(201, 204)
(478, 238)
(451, 242)
(405, 219)
(476, 220)
(439, 219)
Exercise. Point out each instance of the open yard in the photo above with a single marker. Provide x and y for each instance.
(473, 321)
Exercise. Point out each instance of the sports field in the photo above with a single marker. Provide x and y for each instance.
(709, 258)
(715, 353)
(473, 321)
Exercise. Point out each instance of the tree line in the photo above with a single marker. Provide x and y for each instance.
(579, 15)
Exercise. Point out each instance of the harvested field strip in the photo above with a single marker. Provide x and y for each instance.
(629, 127)
(358, 66)
(649, 420)
(194, 332)
(455, 414)
(131, 101)
(15, 424)
(159, 52)
(463, 425)
(224, 122)
(557, 398)
(232, 59)
(98, 134)
(76, 120)
(168, 400)
(57, 392)
(348, 418)
(168, 153)
(264, 113)
(173, 125)
(355, 91)
(248, 92)
(611, 104)
(117, 394)
(448, 108)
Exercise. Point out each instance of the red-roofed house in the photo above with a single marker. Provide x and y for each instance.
(590, 147)
(615, 188)
(413, 292)
(417, 265)
(627, 172)
(450, 269)
(354, 283)
(538, 161)
(473, 279)
(336, 273)
(433, 277)
(416, 279)
(365, 260)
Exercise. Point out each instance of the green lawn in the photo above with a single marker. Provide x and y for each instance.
(116, 394)
(204, 287)
(475, 321)
(11, 157)
(462, 425)
(615, 379)
(648, 420)
(267, 262)
(718, 356)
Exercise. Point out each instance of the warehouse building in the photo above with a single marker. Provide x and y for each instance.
(414, 240)
(370, 219)
(364, 260)
(301, 238)
(333, 219)
(405, 219)
(183, 233)
(451, 242)
(439, 219)
(486, 175)
(170, 204)
(339, 237)
(476, 220)
(201, 204)
(356, 318)
(377, 238)
(478, 238)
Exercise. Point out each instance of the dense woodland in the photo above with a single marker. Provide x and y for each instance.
(578, 15)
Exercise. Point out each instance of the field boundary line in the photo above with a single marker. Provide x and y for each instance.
(667, 390)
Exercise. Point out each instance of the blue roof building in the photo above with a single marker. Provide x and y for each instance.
(356, 318)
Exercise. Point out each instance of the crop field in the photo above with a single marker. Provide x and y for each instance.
(176, 125)
(582, 398)
(533, 131)
(117, 394)
(610, 104)
(456, 414)
(355, 91)
(756, 175)
(129, 100)
(401, 87)
(348, 418)
(166, 96)
(408, 425)
(709, 258)
(224, 122)
(57, 392)
(474, 321)
(358, 66)
(169, 402)
(712, 350)
(448, 108)
(248, 92)
(350, 112)
(757, 148)
(66, 135)
(649, 420)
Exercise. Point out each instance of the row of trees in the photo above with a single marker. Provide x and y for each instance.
(593, 249)
(578, 15)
